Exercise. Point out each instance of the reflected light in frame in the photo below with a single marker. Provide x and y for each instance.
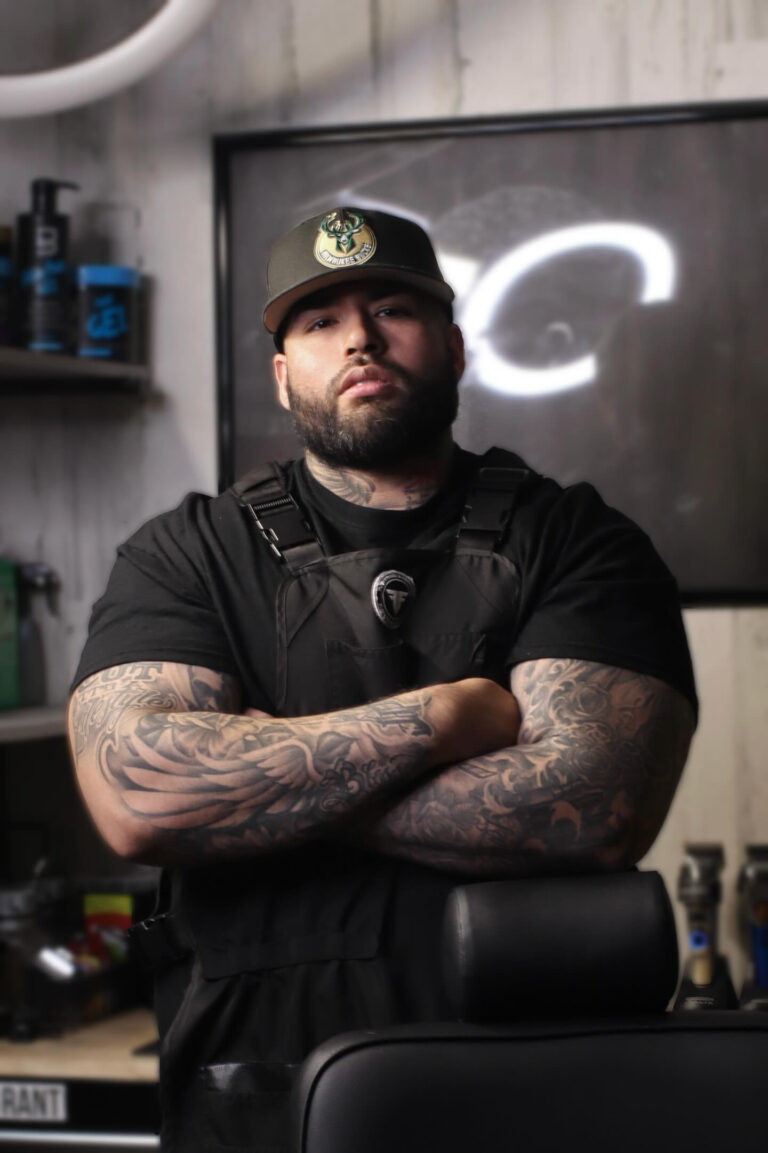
(650, 249)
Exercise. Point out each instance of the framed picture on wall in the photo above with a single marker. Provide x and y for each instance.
(611, 281)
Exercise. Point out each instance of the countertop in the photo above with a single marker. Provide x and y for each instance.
(102, 1051)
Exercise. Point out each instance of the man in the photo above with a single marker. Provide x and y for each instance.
(325, 697)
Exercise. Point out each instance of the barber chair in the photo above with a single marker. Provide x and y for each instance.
(562, 1042)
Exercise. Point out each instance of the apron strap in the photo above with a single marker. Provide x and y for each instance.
(491, 500)
(292, 540)
(286, 530)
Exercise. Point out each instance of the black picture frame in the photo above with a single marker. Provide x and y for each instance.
(242, 226)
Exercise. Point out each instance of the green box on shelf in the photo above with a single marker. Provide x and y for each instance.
(9, 636)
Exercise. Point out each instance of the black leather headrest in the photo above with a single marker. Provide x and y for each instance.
(560, 947)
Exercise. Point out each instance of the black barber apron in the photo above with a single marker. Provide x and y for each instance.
(293, 947)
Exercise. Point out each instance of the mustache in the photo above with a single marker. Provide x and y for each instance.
(335, 386)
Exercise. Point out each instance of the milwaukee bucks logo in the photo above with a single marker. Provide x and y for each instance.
(344, 239)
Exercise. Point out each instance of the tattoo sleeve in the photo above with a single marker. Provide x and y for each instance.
(599, 755)
(170, 773)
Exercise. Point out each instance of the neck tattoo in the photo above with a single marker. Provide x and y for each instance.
(374, 490)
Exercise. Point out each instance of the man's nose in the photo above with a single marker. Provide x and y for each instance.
(362, 334)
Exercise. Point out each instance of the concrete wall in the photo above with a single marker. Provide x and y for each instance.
(76, 477)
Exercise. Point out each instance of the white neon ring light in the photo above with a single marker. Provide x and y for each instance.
(37, 93)
(649, 248)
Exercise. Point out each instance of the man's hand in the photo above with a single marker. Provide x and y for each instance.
(476, 714)
(599, 754)
(172, 770)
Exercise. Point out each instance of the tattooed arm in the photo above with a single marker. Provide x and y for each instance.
(170, 772)
(599, 754)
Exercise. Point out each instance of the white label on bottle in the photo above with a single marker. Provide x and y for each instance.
(33, 1101)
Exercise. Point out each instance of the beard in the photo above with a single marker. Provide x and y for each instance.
(379, 432)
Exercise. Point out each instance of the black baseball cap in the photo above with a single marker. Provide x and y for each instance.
(349, 244)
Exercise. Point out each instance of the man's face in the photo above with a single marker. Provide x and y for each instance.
(369, 372)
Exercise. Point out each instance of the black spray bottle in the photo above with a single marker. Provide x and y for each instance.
(44, 288)
(34, 577)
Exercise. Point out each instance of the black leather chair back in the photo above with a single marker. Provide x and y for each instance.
(582, 1056)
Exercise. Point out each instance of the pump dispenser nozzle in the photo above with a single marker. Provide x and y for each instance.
(44, 193)
(36, 576)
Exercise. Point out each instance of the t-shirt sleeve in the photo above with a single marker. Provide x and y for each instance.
(594, 588)
(157, 604)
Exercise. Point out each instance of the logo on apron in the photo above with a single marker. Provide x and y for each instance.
(391, 593)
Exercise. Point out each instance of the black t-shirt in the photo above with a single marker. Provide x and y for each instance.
(196, 585)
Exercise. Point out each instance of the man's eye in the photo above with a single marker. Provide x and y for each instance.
(319, 322)
(393, 310)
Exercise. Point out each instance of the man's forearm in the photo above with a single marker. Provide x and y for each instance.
(191, 781)
(588, 786)
(518, 810)
(170, 772)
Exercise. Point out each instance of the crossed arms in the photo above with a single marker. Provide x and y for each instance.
(575, 767)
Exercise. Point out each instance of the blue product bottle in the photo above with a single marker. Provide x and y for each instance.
(107, 311)
(44, 288)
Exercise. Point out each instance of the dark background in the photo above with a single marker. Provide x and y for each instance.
(673, 429)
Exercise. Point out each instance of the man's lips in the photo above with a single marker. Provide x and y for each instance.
(366, 380)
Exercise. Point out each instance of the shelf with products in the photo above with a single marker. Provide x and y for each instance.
(90, 1085)
(23, 372)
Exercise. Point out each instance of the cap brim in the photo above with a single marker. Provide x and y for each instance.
(276, 310)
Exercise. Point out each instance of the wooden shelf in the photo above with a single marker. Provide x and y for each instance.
(32, 724)
(23, 372)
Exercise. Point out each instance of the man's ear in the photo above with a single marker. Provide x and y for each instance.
(456, 349)
(280, 370)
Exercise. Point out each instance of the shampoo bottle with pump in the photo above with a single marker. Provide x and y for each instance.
(44, 288)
